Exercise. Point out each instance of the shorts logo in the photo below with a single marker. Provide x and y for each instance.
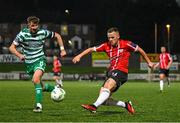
(114, 74)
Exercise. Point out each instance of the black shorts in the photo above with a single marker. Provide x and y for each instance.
(164, 71)
(119, 77)
(57, 73)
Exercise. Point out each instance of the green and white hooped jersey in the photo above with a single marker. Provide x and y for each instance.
(32, 44)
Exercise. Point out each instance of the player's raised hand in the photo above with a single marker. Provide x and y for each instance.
(155, 66)
(63, 53)
(76, 59)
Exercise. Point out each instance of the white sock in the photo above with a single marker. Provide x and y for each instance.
(161, 84)
(112, 102)
(121, 104)
(103, 96)
(59, 82)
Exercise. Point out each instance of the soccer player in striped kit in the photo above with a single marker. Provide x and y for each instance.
(118, 51)
(32, 40)
(164, 64)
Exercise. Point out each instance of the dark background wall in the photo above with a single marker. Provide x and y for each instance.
(135, 18)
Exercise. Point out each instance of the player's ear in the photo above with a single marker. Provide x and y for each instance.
(28, 24)
(118, 36)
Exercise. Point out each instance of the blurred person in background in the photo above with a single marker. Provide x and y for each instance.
(164, 64)
(57, 71)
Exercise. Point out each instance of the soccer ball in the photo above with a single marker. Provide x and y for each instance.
(58, 94)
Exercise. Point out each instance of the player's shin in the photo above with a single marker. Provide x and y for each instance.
(112, 102)
(38, 93)
(103, 96)
(168, 80)
(161, 85)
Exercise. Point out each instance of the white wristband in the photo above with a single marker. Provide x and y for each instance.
(61, 48)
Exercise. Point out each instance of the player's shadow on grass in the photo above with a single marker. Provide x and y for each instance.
(109, 112)
(57, 112)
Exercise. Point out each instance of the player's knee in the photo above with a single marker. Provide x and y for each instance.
(161, 76)
(36, 80)
(106, 86)
(106, 90)
(110, 85)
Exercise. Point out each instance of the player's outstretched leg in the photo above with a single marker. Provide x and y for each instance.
(127, 105)
(103, 96)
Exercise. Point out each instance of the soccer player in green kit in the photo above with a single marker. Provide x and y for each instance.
(31, 40)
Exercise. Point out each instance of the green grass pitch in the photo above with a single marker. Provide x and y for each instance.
(17, 97)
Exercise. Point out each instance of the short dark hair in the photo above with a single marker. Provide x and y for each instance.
(112, 29)
(164, 47)
(33, 19)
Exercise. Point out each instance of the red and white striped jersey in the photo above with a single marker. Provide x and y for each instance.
(56, 66)
(164, 59)
(119, 55)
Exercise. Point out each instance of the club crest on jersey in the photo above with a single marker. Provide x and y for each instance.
(120, 50)
(114, 74)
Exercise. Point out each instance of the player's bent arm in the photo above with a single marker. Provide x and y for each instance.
(141, 51)
(14, 51)
(85, 52)
(156, 65)
(169, 64)
(60, 42)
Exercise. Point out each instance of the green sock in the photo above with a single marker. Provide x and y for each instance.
(38, 93)
(48, 88)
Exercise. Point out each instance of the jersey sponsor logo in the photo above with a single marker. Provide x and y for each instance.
(115, 57)
(117, 50)
(120, 50)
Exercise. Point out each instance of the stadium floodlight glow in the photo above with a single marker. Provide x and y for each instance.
(168, 25)
(69, 42)
(65, 28)
(168, 35)
(67, 11)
